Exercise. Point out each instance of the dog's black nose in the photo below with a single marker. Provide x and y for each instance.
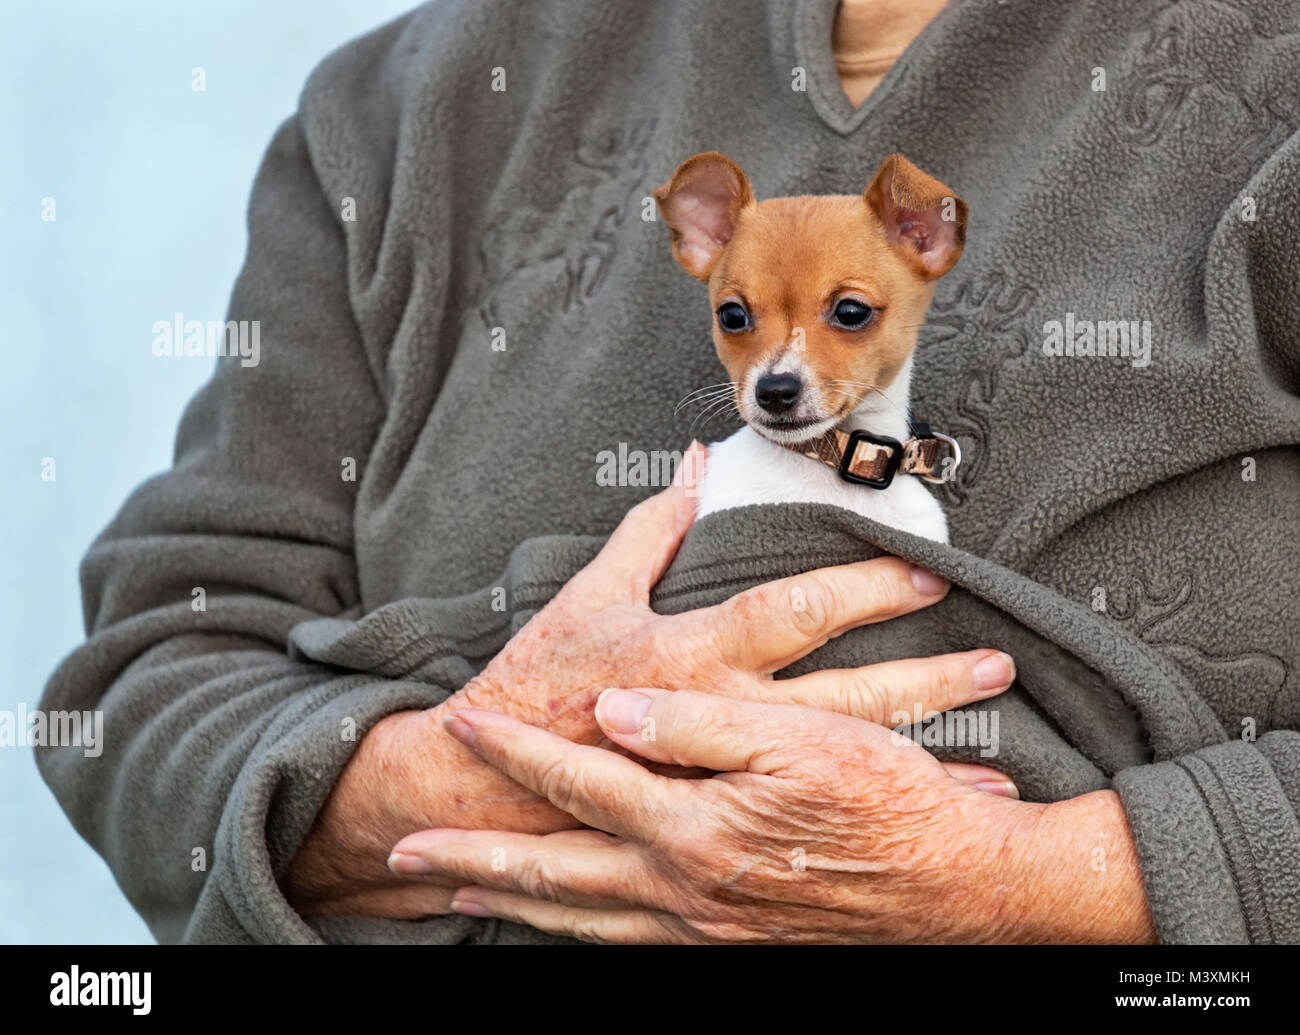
(776, 393)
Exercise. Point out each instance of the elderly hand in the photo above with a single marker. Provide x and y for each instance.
(820, 828)
(599, 631)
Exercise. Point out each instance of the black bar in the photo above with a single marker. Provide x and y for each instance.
(560, 985)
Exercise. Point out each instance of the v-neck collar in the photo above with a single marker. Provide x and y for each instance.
(813, 27)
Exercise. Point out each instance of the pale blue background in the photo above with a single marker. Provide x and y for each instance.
(151, 181)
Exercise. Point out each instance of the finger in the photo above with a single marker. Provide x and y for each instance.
(598, 788)
(688, 728)
(982, 778)
(643, 545)
(577, 867)
(895, 692)
(399, 901)
(603, 926)
(767, 627)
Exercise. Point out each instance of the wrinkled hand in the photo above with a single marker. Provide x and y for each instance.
(821, 828)
(600, 631)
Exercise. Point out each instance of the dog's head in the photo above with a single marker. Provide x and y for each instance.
(817, 301)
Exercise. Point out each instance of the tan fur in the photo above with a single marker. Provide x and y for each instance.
(790, 260)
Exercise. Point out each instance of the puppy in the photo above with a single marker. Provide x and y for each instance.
(817, 304)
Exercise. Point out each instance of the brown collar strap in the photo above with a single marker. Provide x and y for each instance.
(872, 460)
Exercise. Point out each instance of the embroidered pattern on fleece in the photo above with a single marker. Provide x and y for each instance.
(568, 247)
(1219, 676)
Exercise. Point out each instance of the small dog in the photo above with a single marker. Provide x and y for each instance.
(818, 302)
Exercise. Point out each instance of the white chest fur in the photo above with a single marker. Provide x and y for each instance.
(748, 469)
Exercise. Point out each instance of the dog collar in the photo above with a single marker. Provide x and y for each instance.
(872, 460)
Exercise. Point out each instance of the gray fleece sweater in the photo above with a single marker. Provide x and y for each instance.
(464, 298)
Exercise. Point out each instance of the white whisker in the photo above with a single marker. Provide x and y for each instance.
(714, 410)
(708, 392)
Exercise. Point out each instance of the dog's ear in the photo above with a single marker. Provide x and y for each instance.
(701, 204)
(924, 220)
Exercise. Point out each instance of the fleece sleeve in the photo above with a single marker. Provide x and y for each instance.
(1219, 841)
(1218, 831)
(219, 747)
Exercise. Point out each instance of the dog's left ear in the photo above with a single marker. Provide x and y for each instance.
(701, 204)
(923, 219)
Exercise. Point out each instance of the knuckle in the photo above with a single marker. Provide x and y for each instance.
(667, 639)
(863, 695)
(822, 779)
(886, 589)
(586, 926)
(678, 653)
(742, 610)
(732, 628)
(641, 645)
(557, 784)
(704, 857)
(945, 684)
(815, 604)
(537, 876)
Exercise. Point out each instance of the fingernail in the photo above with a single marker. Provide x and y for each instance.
(622, 710)
(688, 458)
(1002, 788)
(468, 908)
(406, 864)
(689, 470)
(460, 729)
(927, 583)
(994, 672)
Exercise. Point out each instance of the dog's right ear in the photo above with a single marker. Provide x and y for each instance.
(701, 204)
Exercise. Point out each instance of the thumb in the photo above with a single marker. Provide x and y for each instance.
(640, 549)
(688, 728)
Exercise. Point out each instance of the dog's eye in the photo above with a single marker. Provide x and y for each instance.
(851, 313)
(732, 317)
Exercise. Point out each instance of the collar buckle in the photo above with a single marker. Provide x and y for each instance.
(861, 458)
(880, 460)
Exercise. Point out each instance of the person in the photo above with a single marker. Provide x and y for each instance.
(373, 606)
